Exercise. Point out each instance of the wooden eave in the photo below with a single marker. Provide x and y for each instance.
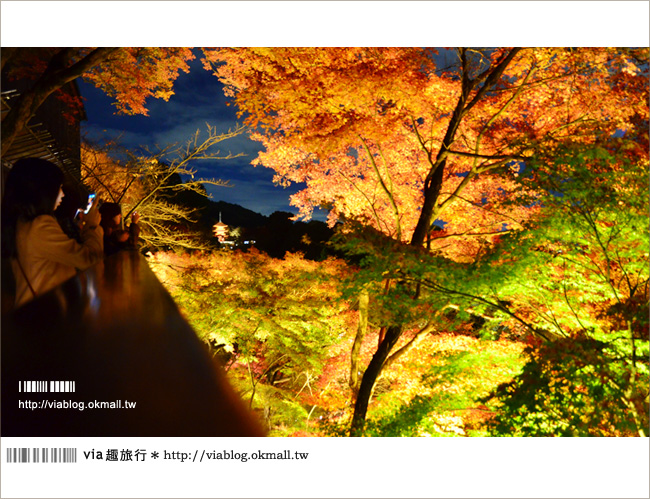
(33, 141)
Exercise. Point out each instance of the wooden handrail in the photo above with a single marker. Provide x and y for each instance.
(117, 334)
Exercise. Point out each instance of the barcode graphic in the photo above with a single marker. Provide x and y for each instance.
(46, 386)
(42, 455)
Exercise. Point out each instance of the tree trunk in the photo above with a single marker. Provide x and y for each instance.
(362, 328)
(370, 377)
(419, 336)
(432, 188)
(431, 193)
(381, 335)
(54, 77)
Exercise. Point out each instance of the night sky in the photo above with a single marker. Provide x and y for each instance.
(198, 100)
(199, 97)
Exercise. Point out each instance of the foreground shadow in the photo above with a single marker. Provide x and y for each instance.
(117, 334)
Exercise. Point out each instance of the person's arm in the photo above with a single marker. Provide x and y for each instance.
(54, 244)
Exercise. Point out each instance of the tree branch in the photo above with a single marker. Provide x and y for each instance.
(486, 156)
(491, 78)
(51, 80)
(385, 188)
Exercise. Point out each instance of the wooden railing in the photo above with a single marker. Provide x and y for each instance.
(117, 334)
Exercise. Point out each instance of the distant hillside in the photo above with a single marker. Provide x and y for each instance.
(208, 210)
(233, 215)
(280, 234)
(274, 234)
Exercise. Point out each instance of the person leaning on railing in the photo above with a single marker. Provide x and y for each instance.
(42, 255)
(116, 238)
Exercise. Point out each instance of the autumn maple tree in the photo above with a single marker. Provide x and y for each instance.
(129, 74)
(425, 149)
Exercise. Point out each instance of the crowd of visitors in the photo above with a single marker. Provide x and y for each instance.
(46, 241)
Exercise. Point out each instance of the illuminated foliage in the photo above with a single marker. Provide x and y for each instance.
(365, 127)
(275, 324)
(585, 280)
(284, 335)
(437, 389)
(425, 155)
(577, 387)
(133, 74)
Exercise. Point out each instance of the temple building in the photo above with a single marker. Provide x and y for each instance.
(220, 230)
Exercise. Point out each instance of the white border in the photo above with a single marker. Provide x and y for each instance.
(341, 467)
(325, 23)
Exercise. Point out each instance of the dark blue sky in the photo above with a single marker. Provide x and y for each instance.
(198, 100)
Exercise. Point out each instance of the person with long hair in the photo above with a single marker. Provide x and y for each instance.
(42, 256)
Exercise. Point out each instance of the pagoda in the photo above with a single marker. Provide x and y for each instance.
(220, 230)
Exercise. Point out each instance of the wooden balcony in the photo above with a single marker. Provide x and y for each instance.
(118, 335)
